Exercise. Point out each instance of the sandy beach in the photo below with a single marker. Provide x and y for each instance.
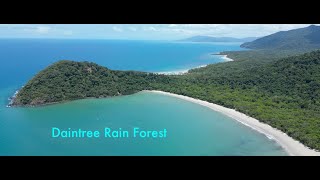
(184, 71)
(180, 72)
(291, 146)
(225, 57)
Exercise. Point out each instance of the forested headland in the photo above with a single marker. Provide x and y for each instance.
(278, 86)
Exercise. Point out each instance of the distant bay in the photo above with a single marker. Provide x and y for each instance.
(192, 129)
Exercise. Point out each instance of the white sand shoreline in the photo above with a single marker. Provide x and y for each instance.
(291, 146)
(226, 58)
(184, 71)
(180, 72)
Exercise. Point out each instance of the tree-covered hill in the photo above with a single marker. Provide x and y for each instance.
(284, 93)
(275, 46)
(303, 38)
(69, 80)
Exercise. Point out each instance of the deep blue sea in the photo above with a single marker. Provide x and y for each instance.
(23, 58)
(192, 129)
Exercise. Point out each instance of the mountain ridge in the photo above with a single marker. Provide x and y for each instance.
(302, 38)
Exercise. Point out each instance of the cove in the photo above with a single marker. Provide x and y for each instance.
(194, 129)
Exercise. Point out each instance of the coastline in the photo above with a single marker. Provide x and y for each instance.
(226, 58)
(62, 102)
(180, 72)
(291, 146)
(12, 98)
(184, 71)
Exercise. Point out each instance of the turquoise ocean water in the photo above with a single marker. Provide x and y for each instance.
(192, 129)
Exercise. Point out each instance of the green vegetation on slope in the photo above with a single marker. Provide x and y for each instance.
(268, 83)
(299, 39)
(284, 93)
(68, 80)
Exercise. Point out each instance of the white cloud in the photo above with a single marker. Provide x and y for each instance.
(117, 29)
(132, 29)
(172, 25)
(151, 28)
(68, 32)
(201, 26)
(234, 30)
(143, 31)
(42, 29)
(180, 30)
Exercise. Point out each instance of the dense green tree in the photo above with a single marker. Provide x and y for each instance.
(284, 93)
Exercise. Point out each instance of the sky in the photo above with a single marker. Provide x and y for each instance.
(140, 31)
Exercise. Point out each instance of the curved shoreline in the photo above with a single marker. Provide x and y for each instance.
(184, 71)
(226, 58)
(180, 72)
(291, 146)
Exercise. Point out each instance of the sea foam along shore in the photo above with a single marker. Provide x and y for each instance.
(180, 72)
(184, 71)
(225, 57)
(291, 146)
